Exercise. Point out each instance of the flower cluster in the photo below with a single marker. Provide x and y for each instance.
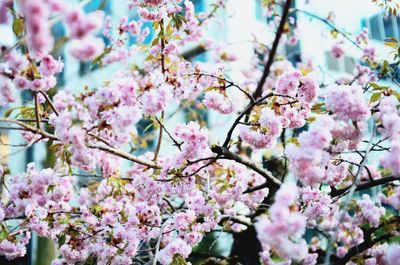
(347, 102)
(309, 160)
(283, 231)
(318, 206)
(390, 118)
(270, 127)
(369, 212)
(217, 101)
(141, 175)
(35, 196)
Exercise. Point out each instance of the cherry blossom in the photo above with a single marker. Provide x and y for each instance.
(166, 151)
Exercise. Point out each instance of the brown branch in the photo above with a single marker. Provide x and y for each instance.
(368, 241)
(160, 135)
(123, 154)
(241, 115)
(365, 185)
(190, 54)
(274, 48)
(256, 188)
(176, 143)
(245, 112)
(37, 112)
(101, 147)
(31, 128)
(230, 83)
(49, 102)
(163, 70)
(225, 153)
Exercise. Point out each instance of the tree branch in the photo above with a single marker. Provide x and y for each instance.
(101, 147)
(37, 112)
(49, 102)
(273, 50)
(123, 154)
(365, 185)
(225, 153)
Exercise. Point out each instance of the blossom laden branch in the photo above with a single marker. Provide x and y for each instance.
(102, 147)
(225, 153)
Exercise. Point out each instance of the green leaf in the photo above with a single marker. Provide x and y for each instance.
(8, 112)
(64, 221)
(375, 86)
(61, 239)
(178, 260)
(375, 97)
(318, 108)
(59, 43)
(50, 188)
(3, 235)
(18, 27)
(178, 20)
(98, 59)
(97, 208)
(155, 42)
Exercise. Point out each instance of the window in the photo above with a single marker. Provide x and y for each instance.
(345, 64)
(380, 27)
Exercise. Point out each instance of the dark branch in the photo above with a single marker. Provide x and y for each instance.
(365, 185)
(225, 153)
(257, 93)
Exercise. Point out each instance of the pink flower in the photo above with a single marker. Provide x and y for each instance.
(37, 14)
(288, 83)
(308, 91)
(347, 102)
(87, 48)
(16, 61)
(369, 211)
(154, 2)
(266, 135)
(309, 161)
(392, 159)
(12, 250)
(284, 230)
(50, 66)
(156, 99)
(170, 48)
(337, 51)
(389, 115)
(393, 254)
(341, 252)
(318, 205)
(194, 139)
(177, 246)
(6, 92)
(82, 25)
(149, 15)
(4, 6)
(22, 82)
(362, 37)
(216, 101)
(2, 214)
(370, 53)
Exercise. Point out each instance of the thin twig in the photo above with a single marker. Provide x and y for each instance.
(347, 201)
(37, 112)
(49, 102)
(273, 50)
